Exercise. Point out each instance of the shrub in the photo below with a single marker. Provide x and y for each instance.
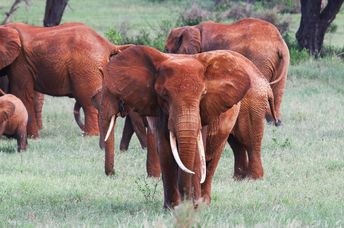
(332, 28)
(298, 56)
(114, 36)
(239, 11)
(144, 37)
(193, 16)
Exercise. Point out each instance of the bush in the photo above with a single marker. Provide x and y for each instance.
(238, 11)
(144, 37)
(114, 36)
(193, 16)
(298, 56)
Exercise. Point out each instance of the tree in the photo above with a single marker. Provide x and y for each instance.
(314, 22)
(14, 7)
(53, 12)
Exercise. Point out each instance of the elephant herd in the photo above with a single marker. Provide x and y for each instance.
(216, 83)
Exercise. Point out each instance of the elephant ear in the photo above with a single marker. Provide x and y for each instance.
(130, 76)
(184, 40)
(227, 82)
(6, 110)
(9, 45)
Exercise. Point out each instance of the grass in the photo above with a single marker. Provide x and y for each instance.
(60, 181)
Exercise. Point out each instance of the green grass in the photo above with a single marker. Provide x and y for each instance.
(60, 180)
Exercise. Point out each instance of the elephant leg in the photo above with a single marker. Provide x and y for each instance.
(215, 145)
(217, 135)
(127, 133)
(91, 121)
(21, 139)
(152, 164)
(39, 100)
(26, 95)
(137, 122)
(240, 158)
(169, 169)
(255, 167)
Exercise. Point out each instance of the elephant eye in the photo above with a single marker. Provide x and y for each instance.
(204, 92)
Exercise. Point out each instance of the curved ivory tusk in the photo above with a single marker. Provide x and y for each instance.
(112, 122)
(176, 154)
(201, 157)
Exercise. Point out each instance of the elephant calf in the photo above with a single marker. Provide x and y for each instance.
(13, 119)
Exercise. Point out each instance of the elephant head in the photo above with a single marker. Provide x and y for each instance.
(184, 40)
(190, 91)
(9, 46)
(6, 111)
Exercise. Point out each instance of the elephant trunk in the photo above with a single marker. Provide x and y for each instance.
(107, 121)
(187, 130)
(110, 145)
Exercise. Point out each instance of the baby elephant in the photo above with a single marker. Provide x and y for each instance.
(13, 119)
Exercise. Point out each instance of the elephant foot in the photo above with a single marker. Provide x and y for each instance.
(153, 173)
(90, 133)
(33, 136)
(171, 205)
(110, 173)
(256, 175)
(123, 147)
(206, 199)
(278, 123)
(239, 177)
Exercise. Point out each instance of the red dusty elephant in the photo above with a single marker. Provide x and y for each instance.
(180, 94)
(60, 61)
(13, 119)
(133, 123)
(38, 98)
(257, 40)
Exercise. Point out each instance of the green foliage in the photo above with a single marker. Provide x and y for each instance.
(148, 188)
(298, 56)
(114, 36)
(153, 36)
(332, 28)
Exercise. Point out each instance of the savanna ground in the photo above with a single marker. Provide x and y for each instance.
(60, 180)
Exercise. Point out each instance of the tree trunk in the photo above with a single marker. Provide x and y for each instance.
(314, 23)
(53, 12)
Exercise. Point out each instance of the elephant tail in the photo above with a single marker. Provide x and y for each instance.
(282, 69)
(76, 112)
(2, 92)
(272, 106)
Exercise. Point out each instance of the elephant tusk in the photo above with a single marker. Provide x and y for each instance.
(176, 154)
(201, 157)
(112, 122)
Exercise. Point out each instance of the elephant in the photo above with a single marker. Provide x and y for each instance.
(257, 40)
(180, 95)
(38, 99)
(247, 134)
(59, 61)
(133, 123)
(13, 119)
